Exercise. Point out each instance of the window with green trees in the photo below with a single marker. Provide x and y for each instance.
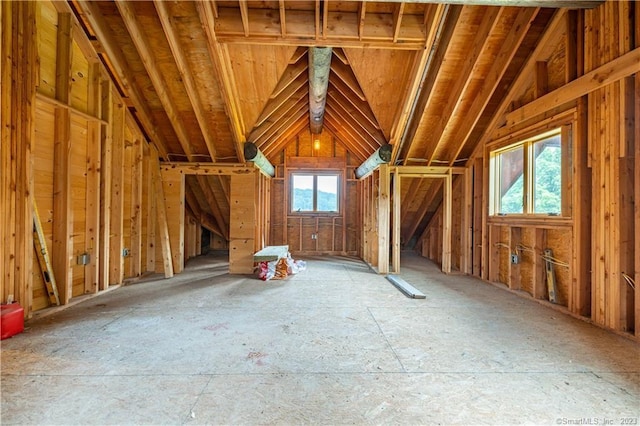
(314, 192)
(526, 178)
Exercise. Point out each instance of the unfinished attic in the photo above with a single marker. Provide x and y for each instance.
(498, 139)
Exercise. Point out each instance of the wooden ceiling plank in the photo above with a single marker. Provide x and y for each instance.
(187, 76)
(324, 5)
(354, 116)
(125, 75)
(362, 10)
(300, 84)
(339, 53)
(362, 106)
(347, 140)
(224, 185)
(283, 21)
(514, 38)
(282, 142)
(422, 210)
(292, 104)
(244, 14)
(434, 63)
(213, 203)
(291, 73)
(278, 127)
(397, 21)
(367, 147)
(464, 77)
(192, 200)
(224, 72)
(569, 4)
(139, 39)
(354, 129)
(345, 74)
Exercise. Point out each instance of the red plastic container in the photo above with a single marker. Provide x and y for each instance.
(11, 320)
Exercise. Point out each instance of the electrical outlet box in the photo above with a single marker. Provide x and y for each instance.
(515, 259)
(83, 259)
(125, 252)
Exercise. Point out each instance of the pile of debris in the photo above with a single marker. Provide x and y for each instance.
(280, 269)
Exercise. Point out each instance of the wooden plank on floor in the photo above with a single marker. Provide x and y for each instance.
(405, 287)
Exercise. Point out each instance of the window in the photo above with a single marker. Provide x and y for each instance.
(527, 177)
(314, 192)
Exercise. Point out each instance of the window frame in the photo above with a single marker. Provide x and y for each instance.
(527, 144)
(315, 174)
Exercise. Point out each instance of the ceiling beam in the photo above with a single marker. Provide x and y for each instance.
(556, 4)
(319, 67)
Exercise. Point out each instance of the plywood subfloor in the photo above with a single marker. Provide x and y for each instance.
(335, 344)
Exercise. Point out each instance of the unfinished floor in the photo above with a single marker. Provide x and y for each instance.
(336, 344)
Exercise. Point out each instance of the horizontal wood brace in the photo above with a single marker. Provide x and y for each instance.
(44, 98)
(207, 168)
(419, 171)
(621, 67)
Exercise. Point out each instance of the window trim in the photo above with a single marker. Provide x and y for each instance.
(315, 173)
(527, 143)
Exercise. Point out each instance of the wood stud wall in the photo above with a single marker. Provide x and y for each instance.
(69, 144)
(597, 237)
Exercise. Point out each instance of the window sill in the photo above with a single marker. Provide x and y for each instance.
(533, 221)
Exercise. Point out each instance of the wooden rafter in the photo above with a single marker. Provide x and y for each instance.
(292, 104)
(187, 76)
(464, 77)
(291, 91)
(507, 51)
(220, 59)
(139, 38)
(434, 64)
(126, 76)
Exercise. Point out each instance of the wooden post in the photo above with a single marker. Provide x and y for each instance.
(92, 223)
(466, 237)
(173, 188)
(116, 244)
(62, 209)
(538, 273)
(397, 225)
(163, 227)
(242, 224)
(149, 206)
(446, 224)
(514, 268)
(106, 142)
(136, 209)
(384, 207)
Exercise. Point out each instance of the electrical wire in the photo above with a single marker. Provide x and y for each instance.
(503, 245)
(555, 261)
(629, 281)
